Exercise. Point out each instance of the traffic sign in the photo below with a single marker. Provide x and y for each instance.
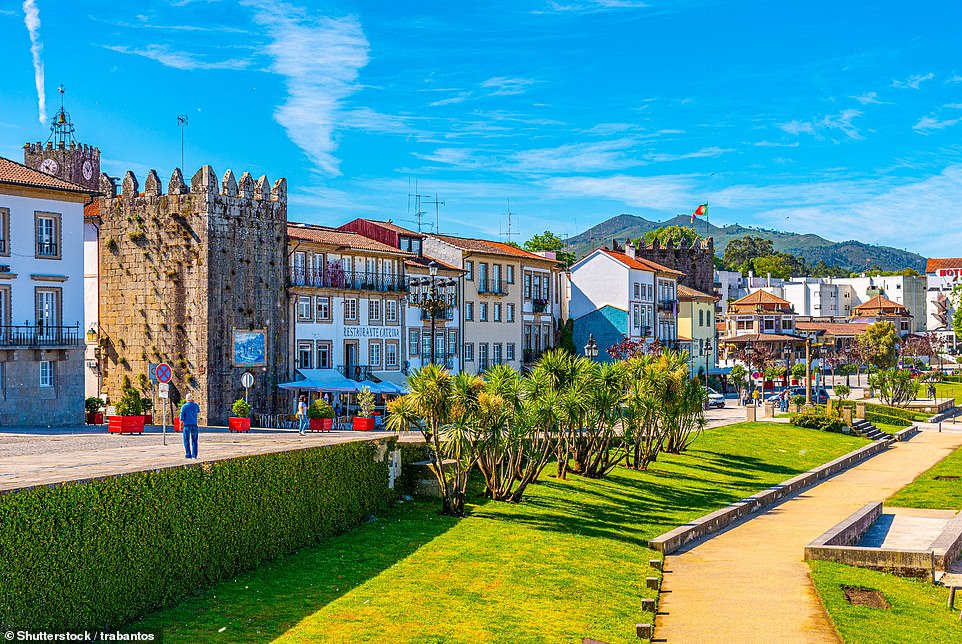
(152, 372)
(164, 373)
(163, 390)
(757, 375)
(247, 380)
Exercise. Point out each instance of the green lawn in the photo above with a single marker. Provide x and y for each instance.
(889, 429)
(950, 390)
(927, 492)
(566, 563)
(918, 610)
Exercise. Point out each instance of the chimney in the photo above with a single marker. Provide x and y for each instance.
(614, 245)
(629, 249)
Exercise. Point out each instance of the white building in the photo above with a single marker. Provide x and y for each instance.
(41, 298)
(615, 294)
(942, 275)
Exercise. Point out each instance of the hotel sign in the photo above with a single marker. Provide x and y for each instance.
(377, 332)
(954, 273)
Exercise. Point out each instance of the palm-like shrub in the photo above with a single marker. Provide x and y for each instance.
(241, 409)
(320, 409)
(130, 403)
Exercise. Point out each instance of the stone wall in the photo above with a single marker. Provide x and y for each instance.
(697, 262)
(180, 271)
(24, 403)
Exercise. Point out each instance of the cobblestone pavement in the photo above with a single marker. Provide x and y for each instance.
(43, 456)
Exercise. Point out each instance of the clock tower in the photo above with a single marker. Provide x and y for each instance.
(62, 156)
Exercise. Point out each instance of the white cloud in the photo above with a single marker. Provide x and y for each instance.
(575, 157)
(503, 86)
(31, 18)
(869, 98)
(667, 193)
(775, 144)
(460, 97)
(928, 123)
(320, 59)
(841, 122)
(709, 152)
(178, 59)
(912, 82)
(593, 6)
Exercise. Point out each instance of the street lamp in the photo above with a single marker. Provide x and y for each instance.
(749, 350)
(434, 302)
(787, 352)
(707, 350)
(591, 349)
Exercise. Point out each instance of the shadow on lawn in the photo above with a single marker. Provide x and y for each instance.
(266, 602)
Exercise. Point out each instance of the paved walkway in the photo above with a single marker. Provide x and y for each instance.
(28, 459)
(749, 584)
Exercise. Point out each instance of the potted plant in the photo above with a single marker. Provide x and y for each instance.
(146, 404)
(241, 420)
(321, 416)
(129, 418)
(364, 421)
(94, 407)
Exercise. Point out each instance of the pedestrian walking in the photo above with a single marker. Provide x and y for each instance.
(756, 395)
(932, 391)
(744, 397)
(188, 418)
(302, 422)
(783, 398)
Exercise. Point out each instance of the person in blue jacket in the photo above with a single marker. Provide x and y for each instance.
(188, 418)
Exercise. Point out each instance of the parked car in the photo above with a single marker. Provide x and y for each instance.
(715, 399)
(819, 395)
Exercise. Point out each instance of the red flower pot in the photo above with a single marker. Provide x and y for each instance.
(321, 424)
(148, 419)
(125, 424)
(95, 418)
(239, 424)
(363, 424)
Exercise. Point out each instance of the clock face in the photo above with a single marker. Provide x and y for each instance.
(88, 170)
(49, 166)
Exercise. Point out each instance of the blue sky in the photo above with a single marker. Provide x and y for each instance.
(841, 119)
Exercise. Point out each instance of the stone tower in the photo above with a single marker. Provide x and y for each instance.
(697, 261)
(63, 156)
(185, 274)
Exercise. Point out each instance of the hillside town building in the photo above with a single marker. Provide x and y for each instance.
(696, 328)
(942, 276)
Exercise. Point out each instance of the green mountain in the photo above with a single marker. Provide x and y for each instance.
(852, 255)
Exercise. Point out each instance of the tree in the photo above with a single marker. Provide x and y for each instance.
(956, 299)
(843, 391)
(772, 265)
(550, 242)
(896, 387)
(737, 375)
(683, 236)
(878, 344)
(739, 251)
(628, 348)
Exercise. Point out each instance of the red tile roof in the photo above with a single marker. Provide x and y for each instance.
(392, 226)
(837, 329)
(761, 300)
(640, 264)
(422, 262)
(490, 247)
(688, 293)
(936, 263)
(326, 235)
(92, 209)
(880, 305)
(17, 174)
(755, 338)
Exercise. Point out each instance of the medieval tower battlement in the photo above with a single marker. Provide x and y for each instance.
(188, 274)
(697, 261)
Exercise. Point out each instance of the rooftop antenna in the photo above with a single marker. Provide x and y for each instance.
(418, 213)
(507, 233)
(61, 127)
(437, 212)
(182, 124)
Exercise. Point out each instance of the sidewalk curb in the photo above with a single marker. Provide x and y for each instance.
(720, 519)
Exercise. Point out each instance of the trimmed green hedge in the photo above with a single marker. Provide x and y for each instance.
(885, 410)
(873, 417)
(102, 553)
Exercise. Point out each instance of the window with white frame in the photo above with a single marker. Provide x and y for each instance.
(304, 308)
(322, 308)
(390, 355)
(350, 309)
(48, 310)
(391, 306)
(305, 350)
(468, 351)
(46, 373)
(374, 354)
(4, 309)
(509, 273)
(452, 342)
(48, 235)
(527, 286)
(483, 356)
(374, 310)
(497, 312)
(425, 346)
(510, 312)
(483, 312)
(5, 232)
(323, 355)
(509, 351)
(469, 311)
(636, 316)
(637, 291)
(469, 270)
(413, 340)
(439, 353)
(496, 353)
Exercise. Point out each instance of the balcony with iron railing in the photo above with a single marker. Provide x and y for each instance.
(348, 280)
(47, 249)
(667, 304)
(40, 336)
(3, 246)
(356, 372)
(492, 287)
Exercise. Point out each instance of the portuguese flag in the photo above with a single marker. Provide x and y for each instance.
(700, 211)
